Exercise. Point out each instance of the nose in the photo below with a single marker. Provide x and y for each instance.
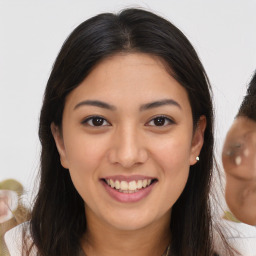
(128, 149)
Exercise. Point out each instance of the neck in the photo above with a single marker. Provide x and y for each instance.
(102, 239)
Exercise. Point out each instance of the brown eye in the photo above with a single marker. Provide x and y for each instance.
(96, 121)
(160, 121)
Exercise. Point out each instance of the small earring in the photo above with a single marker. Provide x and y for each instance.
(197, 158)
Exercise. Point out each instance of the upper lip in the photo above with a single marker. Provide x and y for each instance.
(128, 178)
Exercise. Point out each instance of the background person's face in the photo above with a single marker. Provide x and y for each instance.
(3, 205)
(129, 124)
(8, 204)
(239, 162)
(239, 150)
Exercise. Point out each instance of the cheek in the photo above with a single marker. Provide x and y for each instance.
(84, 153)
(174, 152)
(84, 157)
(173, 157)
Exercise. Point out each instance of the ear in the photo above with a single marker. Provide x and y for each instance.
(197, 140)
(58, 138)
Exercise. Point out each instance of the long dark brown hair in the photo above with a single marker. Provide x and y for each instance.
(58, 217)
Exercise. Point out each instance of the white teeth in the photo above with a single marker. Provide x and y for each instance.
(117, 184)
(128, 187)
(132, 185)
(144, 183)
(124, 185)
(112, 183)
(139, 184)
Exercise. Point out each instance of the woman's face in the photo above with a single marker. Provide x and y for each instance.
(127, 139)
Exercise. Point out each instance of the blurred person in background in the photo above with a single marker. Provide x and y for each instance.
(239, 159)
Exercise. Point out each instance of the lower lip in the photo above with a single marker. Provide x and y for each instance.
(128, 197)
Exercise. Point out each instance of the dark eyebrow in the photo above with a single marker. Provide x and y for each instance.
(160, 103)
(95, 103)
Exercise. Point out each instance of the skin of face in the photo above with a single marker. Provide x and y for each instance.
(3, 207)
(8, 204)
(129, 142)
(239, 162)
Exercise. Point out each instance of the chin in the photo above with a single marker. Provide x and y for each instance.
(129, 225)
(130, 221)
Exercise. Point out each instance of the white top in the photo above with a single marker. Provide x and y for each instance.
(241, 236)
(13, 240)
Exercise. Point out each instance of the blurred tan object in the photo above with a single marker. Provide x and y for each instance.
(12, 212)
(8, 204)
(239, 161)
(239, 151)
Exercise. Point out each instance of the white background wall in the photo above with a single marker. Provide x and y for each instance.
(32, 32)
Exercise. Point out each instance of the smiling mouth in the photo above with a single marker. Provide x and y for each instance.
(129, 187)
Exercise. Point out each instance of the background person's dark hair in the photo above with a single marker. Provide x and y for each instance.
(248, 106)
(58, 218)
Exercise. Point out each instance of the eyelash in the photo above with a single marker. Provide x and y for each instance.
(94, 118)
(166, 119)
(88, 121)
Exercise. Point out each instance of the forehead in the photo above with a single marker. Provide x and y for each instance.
(241, 126)
(135, 77)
